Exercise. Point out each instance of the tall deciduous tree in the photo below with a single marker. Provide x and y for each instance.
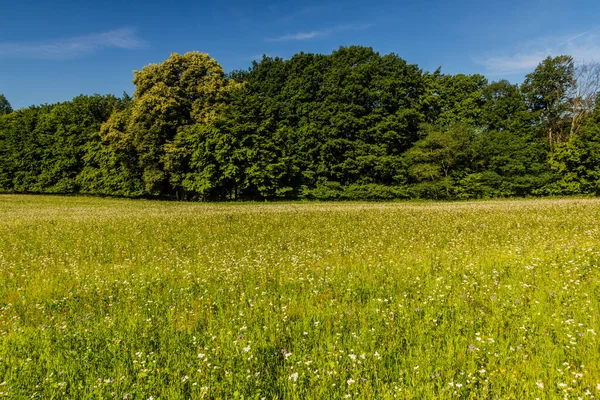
(547, 90)
(183, 90)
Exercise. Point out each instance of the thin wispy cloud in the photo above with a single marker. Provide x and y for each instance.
(579, 35)
(317, 33)
(124, 38)
(583, 47)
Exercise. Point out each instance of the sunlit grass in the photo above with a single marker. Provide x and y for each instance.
(131, 299)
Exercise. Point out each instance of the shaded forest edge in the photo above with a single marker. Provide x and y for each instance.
(352, 125)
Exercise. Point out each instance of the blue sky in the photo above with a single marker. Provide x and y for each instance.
(51, 51)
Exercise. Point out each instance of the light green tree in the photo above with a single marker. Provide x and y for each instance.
(182, 91)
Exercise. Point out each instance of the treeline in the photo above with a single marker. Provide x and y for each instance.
(351, 125)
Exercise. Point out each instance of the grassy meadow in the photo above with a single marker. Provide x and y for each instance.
(133, 299)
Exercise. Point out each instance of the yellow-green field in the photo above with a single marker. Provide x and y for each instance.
(132, 299)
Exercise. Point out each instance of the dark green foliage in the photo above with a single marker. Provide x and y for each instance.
(45, 149)
(505, 164)
(351, 125)
(577, 161)
(503, 105)
(436, 161)
(316, 121)
(111, 165)
(454, 99)
(19, 150)
(5, 107)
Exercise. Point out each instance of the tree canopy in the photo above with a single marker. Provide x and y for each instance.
(353, 124)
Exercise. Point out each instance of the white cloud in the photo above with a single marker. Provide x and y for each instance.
(583, 47)
(317, 33)
(124, 38)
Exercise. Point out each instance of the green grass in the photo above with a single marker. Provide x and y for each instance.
(135, 299)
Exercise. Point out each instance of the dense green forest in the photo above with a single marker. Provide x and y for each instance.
(350, 125)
